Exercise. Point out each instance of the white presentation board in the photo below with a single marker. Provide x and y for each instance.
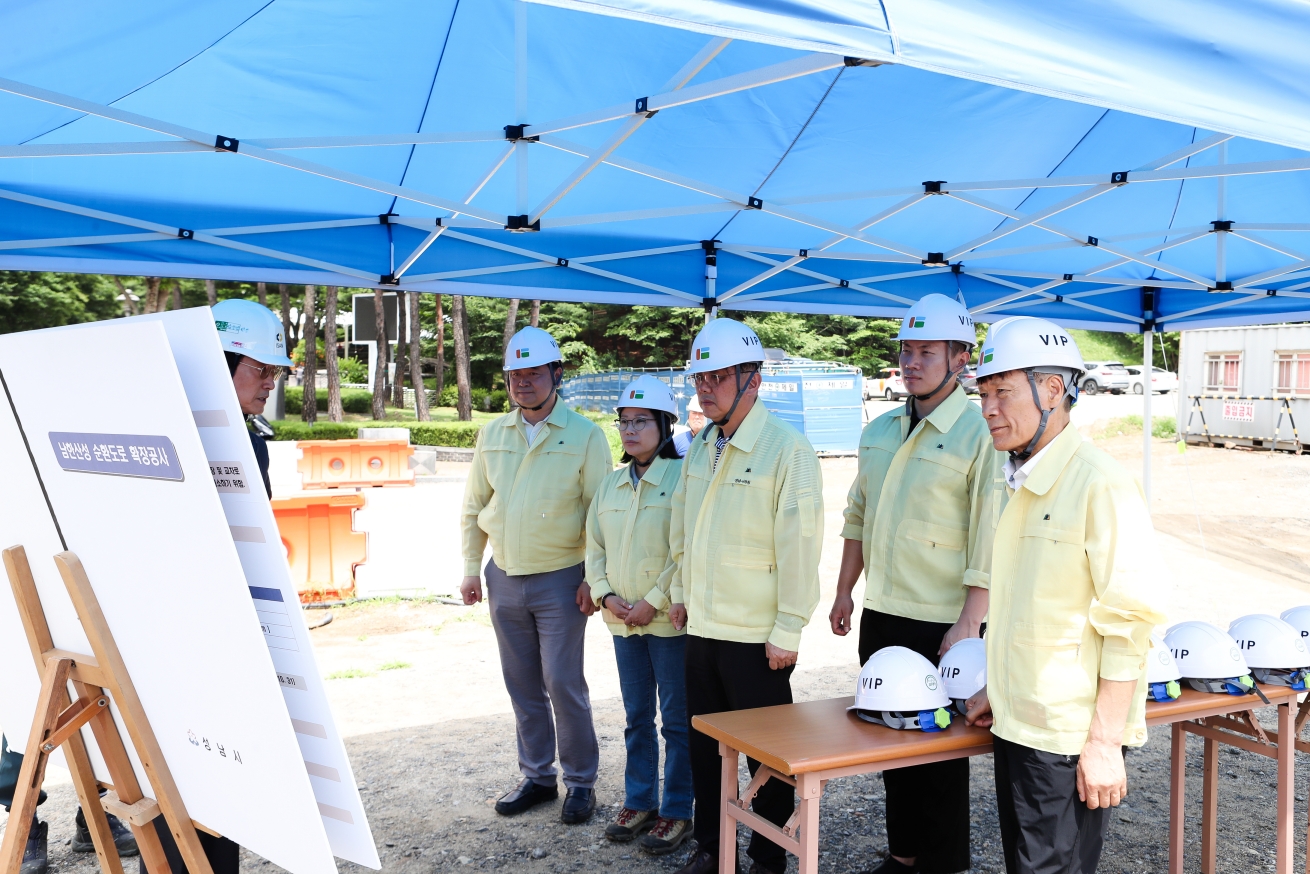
(111, 435)
(198, 354)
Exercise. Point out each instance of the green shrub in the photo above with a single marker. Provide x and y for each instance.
(483, 399)
(449, 396)
(455, 434)
(352, 370)
(353, 400)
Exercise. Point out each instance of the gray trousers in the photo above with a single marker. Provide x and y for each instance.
(540, 632)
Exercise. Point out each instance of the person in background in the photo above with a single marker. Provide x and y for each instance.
(534, 473)
(919, 523)
(745, 535)
(1072, 608)
(682, 436)
(629, 571)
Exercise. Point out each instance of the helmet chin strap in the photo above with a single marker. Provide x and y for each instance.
(741, 390)
(1041, 428)
(555, 373)
(658, 449)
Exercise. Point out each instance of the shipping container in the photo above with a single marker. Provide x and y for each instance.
(1246, 387)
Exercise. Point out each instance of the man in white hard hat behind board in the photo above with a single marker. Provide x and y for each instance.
(1072, 608)
(534, 473)
(919, 522)
(745, 535)
(682, 436)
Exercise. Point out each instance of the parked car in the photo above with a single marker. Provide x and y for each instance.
(1162, 381)
(969, 379)
(1101, 376)
(886, 385)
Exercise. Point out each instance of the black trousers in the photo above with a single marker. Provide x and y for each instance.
(10, 764)
(224, 855)
(725, 675)
(927, 805)
(1045, 829)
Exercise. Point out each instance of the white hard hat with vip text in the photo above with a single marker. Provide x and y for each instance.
(898, 679)
(1024, 342)
(648, 393)
(724, 343)
(531, 347)
(252, 330)
(1204, 652)
(938, 317)
(1269, 642)
(964, 668)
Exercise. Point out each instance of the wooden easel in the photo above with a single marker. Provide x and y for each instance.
(58, 722)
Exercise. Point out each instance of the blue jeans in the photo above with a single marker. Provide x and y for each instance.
(649, 665)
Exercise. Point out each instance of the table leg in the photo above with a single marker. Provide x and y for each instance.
(1177, 797)
(810, 789)
(1286, 782)
(1209, 806)
(728, 825)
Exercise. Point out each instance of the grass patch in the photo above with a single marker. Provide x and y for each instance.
(395, 666)
(349, 674)
(1161, 429)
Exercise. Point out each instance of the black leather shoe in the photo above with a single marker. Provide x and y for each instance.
(35, 860)
(124, 840)
(525, 796)
(579, 805)
(891, 866)
(702, 862)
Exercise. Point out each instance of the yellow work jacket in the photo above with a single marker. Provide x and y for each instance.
(925, 508)
(628, 544)
(746, 535)
(531, 501)
(1073, 598)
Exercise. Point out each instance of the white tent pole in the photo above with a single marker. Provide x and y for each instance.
(1147, 363)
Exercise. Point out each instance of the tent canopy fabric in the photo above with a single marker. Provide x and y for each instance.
(1104, 166)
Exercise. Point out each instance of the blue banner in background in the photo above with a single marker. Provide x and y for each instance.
(145, 456)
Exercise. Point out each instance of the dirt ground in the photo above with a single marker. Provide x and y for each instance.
(416, 689)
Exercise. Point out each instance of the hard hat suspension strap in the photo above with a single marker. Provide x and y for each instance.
(741, 390)
(1041, 427)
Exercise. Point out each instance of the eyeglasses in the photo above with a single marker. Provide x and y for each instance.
(266, 371)
(632, 424)
(716, 377)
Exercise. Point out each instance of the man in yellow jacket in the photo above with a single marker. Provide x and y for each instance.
(745, 536)
(534, 473)
(1072, 608)
(919, 523)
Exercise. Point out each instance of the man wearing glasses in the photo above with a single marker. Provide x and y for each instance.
(256, 355)
(745, 536)
(534, 473)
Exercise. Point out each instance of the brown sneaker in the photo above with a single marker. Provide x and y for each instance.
(629, 824)
(666, 836)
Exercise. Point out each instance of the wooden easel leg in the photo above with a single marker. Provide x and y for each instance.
(88, 793)
(133, 712)
(53, 682)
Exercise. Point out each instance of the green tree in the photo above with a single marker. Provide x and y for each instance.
(45, 300)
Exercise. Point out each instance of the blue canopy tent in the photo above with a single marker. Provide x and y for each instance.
(1107, 166)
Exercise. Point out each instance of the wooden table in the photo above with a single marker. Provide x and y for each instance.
(1227, 719)
(808, 744)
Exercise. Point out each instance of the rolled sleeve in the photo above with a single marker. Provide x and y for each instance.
(1126, 572)
(596, 557)
(797, 542)
(853, 515)
(985, 505)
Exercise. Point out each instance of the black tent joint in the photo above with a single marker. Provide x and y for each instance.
(389, 279)
(226, 144)
(934, 187)
(1223, 285)
(520, 223)
(561, 262)
(1093, 241)
(1221, 225)
(754, 202)
(1068, 277)
(385, 218)
(709, 303)
(186, 233)
(935, 259)
(514, 133)
(1119, 177)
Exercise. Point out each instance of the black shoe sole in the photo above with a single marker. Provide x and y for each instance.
(577, 818)
(520, 806)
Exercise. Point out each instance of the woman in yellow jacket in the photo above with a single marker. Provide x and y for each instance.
(629, 569)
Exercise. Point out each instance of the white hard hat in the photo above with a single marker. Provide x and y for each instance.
(901, 689)
(648, 393)
(693, 404)
(1273, 649)
(964, 670)
(1298, 618)
(723, 343)
(938, 317)
(1025, 342)
(531, 347)
(1162, 674)
(1208, 658)
(252, 330)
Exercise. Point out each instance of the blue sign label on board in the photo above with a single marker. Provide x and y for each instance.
(140, 455)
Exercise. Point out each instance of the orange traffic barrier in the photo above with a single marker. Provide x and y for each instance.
(335, 464)
(321, 544)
